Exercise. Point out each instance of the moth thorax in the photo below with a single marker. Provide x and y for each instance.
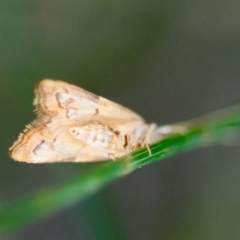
(95, 134)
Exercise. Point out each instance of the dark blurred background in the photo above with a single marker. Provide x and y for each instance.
(167, 60)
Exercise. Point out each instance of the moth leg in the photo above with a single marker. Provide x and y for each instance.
(111, 156)
(115, 142)
(146, 142)
(148, 149)
(126, 143)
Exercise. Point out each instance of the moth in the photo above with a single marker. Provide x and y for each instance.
(74, 125)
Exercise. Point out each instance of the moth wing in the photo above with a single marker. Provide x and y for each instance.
(59, 107)
(77, 104)
(41, 144)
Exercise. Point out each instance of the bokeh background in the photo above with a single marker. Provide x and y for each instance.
(167, 60)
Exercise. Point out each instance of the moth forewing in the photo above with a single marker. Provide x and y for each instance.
(113, 110)
(43, 145)
(76, 125)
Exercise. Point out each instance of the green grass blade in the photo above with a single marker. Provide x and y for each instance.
(200, 132)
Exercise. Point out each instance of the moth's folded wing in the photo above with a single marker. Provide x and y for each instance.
(38, 145)
(57, 97)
